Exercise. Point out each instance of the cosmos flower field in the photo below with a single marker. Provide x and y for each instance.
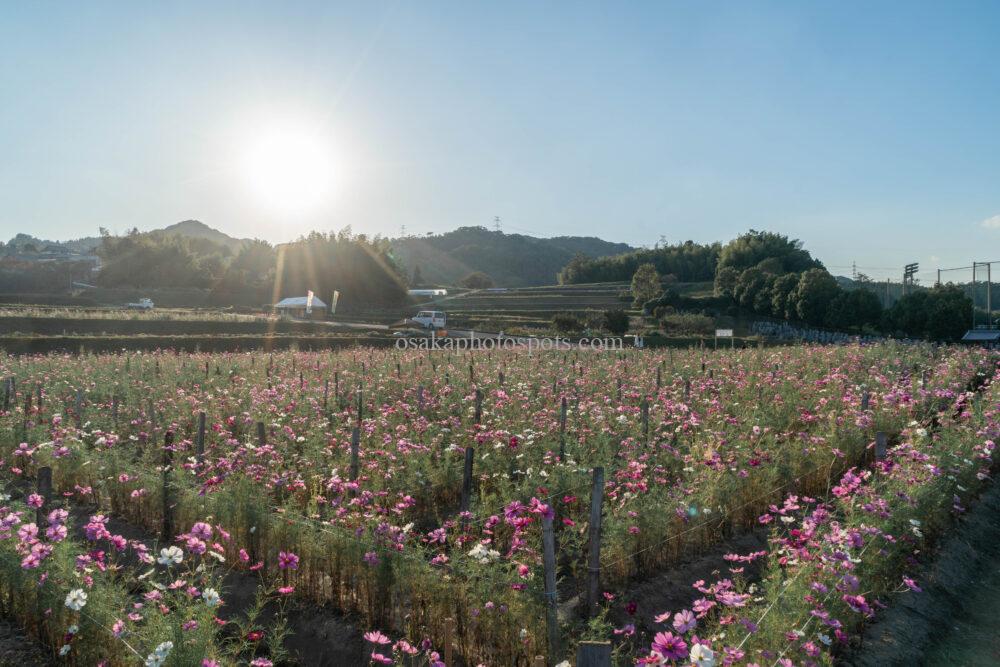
(128, 560)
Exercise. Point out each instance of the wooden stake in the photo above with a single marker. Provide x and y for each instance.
(200, 439)
(593, 654)
(449, 630)
(355, 444)
(479, 407)
(551, 609)
(594, 559)
(470, 454)
(167, 531)
(881, 442)
(261, 434)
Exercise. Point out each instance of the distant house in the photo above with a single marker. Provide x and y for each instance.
(296, 307)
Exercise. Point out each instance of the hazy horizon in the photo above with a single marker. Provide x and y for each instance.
(867, 132)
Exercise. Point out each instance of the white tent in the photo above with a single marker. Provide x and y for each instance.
(296, 302)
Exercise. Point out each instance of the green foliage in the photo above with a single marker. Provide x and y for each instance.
(781, 291)
(566, 323)
(687, 323)
(725, 281)
(751, 282)
(477, 280)
(940, 314)
(688, 262)
(780, 254)
(645, 284)
(815, 292)
(513, 260)
(616, 322)
(155, 259)
(855, 309)
(359, 267)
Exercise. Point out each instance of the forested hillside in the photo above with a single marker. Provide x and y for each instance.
(509, 260)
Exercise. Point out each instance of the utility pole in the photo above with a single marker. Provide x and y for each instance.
(989, 295)
(908, 272)
(974, 295)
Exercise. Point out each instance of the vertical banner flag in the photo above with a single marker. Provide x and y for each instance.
(309, 302)
(333, 302)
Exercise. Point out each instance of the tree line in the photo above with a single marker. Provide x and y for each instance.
(768, 274)
(359, 267)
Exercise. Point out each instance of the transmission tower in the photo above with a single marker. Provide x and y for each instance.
(496, 223)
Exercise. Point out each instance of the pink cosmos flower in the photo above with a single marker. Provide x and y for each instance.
(202, 531)
(684, 621)
(288, 560)
(669, 646)
(376, 637)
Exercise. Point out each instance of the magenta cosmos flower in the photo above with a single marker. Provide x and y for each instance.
(288, 561)
(669, 646)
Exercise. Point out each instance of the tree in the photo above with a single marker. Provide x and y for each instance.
(418, 278)
(940, 314)
(360, 268)
(616, 322)
(813, 295)
(645, 284)
(689, 261)
(782, 287)
(566, 323)
(749, 284)
(725, 282)
(754, 247)
(476, 280)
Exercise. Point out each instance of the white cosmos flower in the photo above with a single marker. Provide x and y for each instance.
(211, 597)
(170, 556)
(702, 656)
(484, 555)
(77, 599)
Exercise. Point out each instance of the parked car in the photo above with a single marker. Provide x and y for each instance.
(141, 304)
(430, 319)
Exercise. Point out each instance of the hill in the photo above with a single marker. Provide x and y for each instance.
(511, 260)
(195, 229)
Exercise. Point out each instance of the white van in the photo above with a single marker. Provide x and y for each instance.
(430, 319)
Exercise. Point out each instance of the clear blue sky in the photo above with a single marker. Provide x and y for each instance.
(868, 130)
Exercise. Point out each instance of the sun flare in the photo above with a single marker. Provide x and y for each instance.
(289, 169)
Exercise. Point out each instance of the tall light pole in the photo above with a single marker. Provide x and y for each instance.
(908, 272)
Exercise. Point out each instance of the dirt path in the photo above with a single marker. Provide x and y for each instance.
(18, 650)
(953, 622)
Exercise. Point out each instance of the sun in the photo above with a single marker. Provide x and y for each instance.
(289, 169)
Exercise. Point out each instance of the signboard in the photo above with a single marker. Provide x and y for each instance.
(723, 333)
